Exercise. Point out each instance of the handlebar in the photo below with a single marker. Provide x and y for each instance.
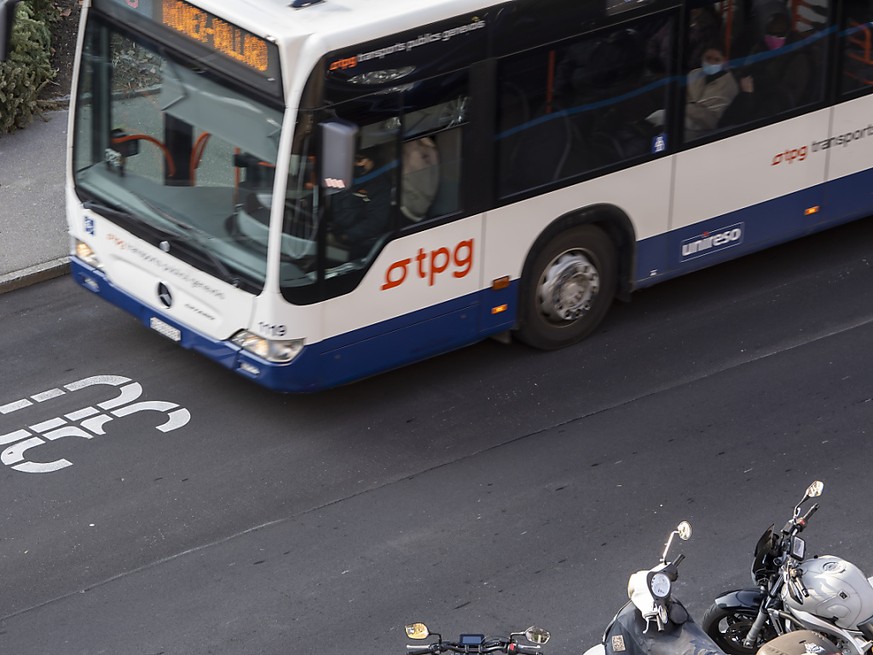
(797, 524)
(803, 520)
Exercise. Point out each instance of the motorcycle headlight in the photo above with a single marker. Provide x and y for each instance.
(660, 585)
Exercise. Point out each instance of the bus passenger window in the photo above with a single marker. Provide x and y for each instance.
(436, 117)
(583, 105)
(780, 50)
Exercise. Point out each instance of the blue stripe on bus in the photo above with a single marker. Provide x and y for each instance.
(763, 225)
(344, 358)
(471, 318)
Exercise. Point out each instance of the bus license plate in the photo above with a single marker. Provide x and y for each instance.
(168, 331)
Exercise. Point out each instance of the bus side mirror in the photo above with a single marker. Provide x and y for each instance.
(336, 160)
(7, 20)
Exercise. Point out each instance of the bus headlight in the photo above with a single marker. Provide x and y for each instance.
(273, 351)
(84, 252)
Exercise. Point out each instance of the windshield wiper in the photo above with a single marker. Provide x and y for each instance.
(189, 230)
(197, 236)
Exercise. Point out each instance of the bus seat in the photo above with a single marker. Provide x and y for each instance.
(421, 177)
(540, 153)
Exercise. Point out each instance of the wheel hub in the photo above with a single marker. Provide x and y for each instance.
(568, 287)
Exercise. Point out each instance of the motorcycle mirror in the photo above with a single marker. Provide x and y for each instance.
(417, 631)
(537, 635)
(814, 490)
(684, 530)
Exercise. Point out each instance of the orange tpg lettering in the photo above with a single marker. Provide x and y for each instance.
(429, 265)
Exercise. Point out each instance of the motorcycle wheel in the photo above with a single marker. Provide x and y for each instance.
(729, 627)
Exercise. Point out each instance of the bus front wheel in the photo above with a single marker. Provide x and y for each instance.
(567, 289)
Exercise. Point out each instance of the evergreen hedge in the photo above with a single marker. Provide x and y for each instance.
(28, 68)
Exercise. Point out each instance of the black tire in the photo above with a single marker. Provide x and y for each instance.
(727, 628)
(567, 288)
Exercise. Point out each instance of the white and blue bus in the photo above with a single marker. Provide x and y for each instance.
(311, 192)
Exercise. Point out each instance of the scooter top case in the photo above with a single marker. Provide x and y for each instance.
(801, 642)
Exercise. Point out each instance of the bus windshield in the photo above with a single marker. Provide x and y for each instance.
(169, 149)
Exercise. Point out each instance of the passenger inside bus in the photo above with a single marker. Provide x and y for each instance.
(710, 90)
(774, 77)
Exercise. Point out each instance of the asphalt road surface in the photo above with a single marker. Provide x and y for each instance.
(482, 491)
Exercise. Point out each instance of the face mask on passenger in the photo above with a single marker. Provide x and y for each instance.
(773, 42)
(711, 69)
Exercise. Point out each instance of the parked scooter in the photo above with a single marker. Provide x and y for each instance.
(825, 593)
(653, 622)
(477, 643)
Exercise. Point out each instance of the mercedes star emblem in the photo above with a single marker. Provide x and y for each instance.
(164, 295)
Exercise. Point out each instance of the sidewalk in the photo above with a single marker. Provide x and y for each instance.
(33, 232)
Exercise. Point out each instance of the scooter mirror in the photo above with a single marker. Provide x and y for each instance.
(537, 635)
(814, 490)
(684, 530)
(417, 631)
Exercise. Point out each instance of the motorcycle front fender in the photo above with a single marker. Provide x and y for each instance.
(740, 599)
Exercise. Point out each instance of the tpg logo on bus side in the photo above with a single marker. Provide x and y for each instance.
(708, 243)
(430, 265)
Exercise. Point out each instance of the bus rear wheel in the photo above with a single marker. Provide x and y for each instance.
(567, 289)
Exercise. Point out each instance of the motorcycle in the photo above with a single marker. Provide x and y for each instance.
(825, 593)
(477, 643)
(651, 605)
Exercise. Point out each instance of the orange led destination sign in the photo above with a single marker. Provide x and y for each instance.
(216, 34)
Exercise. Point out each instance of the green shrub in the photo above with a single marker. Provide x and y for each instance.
(27, 70)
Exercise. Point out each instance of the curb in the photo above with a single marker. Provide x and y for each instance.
(34, 274)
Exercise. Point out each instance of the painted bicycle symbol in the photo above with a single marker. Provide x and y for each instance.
(84, 423)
